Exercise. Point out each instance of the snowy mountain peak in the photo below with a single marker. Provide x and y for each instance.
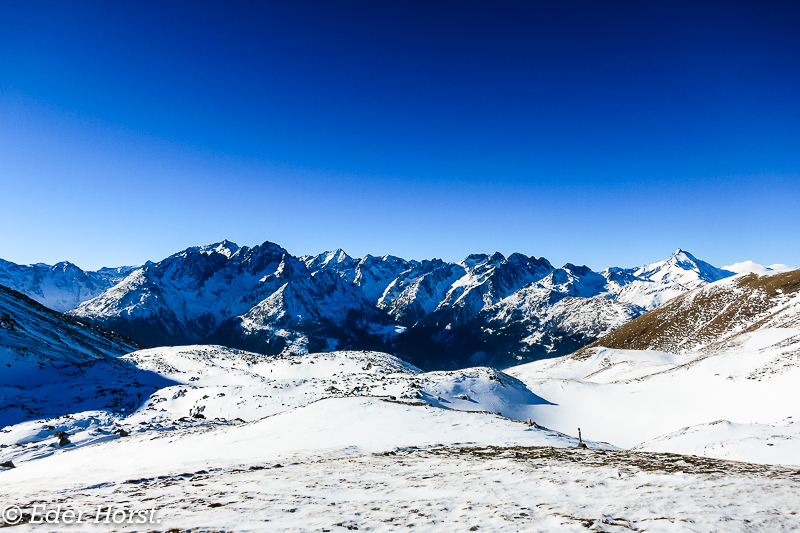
(336, 259)
(578, 270)
(680, 251)
(65, 266)
(574, 280)
(339, 256)
(473, 260)
(685, 261)
(224, 247)
(496, 257)
(517, 257)
(653, 284)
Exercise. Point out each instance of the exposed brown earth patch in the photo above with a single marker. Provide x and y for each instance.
(669, 463)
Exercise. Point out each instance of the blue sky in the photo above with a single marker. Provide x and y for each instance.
(601, 133)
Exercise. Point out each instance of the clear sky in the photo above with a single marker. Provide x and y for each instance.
(601, 133)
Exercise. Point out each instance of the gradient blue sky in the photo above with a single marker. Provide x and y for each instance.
(602, 133)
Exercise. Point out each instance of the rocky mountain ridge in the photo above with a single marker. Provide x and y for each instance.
(485, 309)
(62, 286)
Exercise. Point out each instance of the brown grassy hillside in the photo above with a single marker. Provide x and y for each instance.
(710, 315)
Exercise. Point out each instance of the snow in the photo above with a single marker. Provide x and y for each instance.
(602, 366)
(213, 385)
(347, 464)
(749, 267)
(777, 443)
(62, 286)
(358, 439)
(331, 428)
(629, 397)
(216, 438)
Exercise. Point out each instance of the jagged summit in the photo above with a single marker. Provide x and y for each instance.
(224, 247)
(652, 284)
(336, 260)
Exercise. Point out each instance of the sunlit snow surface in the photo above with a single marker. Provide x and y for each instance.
(209, 386)
(331, 441)
(747, 267)
(731, 395)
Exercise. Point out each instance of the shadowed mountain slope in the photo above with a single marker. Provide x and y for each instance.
(53, 364)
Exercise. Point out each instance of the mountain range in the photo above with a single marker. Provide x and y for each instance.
(485, 309)
(62, 286)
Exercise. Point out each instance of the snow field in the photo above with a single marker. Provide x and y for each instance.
(346, 440)
(647, 398)
(456, 489)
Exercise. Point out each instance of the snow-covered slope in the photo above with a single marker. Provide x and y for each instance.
(420, 488)
(197, 388)
(53, 364)
(714, 372)
(212, 385)
(257, 385)
(62, 286)
(769, 443)
(31, 334)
